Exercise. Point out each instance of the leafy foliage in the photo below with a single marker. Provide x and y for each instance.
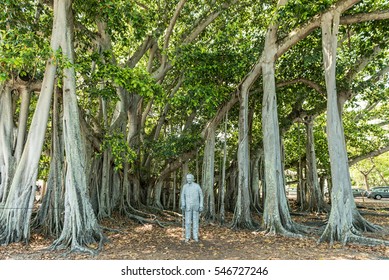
(173, 146)
(211, 68)
(119, 149)
(23, 51)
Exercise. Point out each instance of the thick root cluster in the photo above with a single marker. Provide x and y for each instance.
(82, 244)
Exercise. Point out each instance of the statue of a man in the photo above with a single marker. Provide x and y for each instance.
(191, 204)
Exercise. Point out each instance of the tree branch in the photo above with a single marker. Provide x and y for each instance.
(142, 49)
(284, 45)
(169, 30)
(362, 63)
(207, 21)
(307, 82)
(160, 73)
(384, 123)
(351, 19)
(375, 153)
(300, 33)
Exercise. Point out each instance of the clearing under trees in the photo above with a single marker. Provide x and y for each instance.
(111, 103)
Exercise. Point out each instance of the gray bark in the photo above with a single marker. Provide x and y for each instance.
(104, 209)
(80, 223)
(345, 221)
(256, 181)
(49, 216)
(231, 187)
(133, 120)
(109, 185)
(372, 154)
(157, 194)
(136, 197)
(301, 186)
(276, 216)
(174, 187)
(16, 214)
(22, 123)
(6, 141)
(223, 176)
(169, 31)
(242, 216)
(116, 191)
(105, 192)
(316, 199)
(208, 176)
(185, 171)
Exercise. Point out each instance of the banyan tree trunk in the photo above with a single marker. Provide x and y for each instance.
(80, 224)
(16, 215)
(345, 221)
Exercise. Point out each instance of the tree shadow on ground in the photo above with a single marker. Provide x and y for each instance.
(134, 241)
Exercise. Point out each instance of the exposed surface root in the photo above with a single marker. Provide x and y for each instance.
(81, 246)
(251, 225)
(352, 236)
(145, 220)
(111, 230)
(142, 217)
(293, 229)
(283, 232)
(367, 241)
(363, 225)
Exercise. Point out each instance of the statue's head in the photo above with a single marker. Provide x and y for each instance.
(189, 178)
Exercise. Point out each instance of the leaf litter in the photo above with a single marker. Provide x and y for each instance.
(134, 241)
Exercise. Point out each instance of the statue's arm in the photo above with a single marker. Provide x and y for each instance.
(183, 197)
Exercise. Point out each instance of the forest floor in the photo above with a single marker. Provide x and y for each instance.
(129, 240)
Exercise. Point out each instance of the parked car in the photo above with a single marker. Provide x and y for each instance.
(378, 192)
(357, 192)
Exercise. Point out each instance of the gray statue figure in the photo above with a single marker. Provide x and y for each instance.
(191, 205)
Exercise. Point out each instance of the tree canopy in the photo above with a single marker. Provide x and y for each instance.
(130, 95)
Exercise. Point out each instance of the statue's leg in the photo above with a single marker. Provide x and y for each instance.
(188, 222)
(196, 225)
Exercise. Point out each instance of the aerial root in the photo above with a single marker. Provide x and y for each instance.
(366, 240)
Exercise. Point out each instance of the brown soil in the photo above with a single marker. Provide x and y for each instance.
(132, 241)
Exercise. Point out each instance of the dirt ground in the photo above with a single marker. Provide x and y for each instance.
(129, 240)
